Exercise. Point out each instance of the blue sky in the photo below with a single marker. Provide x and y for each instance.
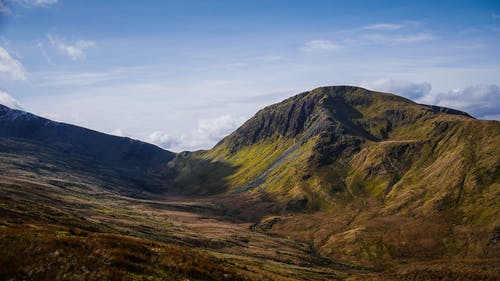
(183, 74)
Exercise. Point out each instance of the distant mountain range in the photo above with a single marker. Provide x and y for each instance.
(366, 178)
(121, 163)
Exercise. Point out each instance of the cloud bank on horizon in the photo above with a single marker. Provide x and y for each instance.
(183, 74)
(481, 100)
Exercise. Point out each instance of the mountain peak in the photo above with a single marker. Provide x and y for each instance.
(345, 110)
(324, 128)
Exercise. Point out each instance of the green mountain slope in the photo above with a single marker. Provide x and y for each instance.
(323, 144)
(371, 178)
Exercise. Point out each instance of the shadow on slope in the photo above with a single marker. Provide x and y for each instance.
(190, 174)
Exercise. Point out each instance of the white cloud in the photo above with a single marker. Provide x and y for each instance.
(206, 135)
(384, 26)
(4, 4)
(216, 128)
(482, 101)
(479, 100)
(75, 51)
(11, 66)
(38, 3)
(158, 138)
(9, 101)
(321, 46)
(163, 140)
(407, 89)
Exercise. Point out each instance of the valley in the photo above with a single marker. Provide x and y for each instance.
(201, 225)
(337, 183)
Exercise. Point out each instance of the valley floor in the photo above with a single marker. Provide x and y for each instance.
(55, 230)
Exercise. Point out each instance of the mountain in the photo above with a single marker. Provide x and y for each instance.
(372, 178)
(335, 183)
(52, 148)
(331, 140)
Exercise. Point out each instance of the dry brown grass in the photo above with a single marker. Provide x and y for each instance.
(445, 270)
(100, 236)
(48, 252)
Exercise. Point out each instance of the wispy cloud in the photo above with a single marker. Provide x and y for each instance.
(4, 10)
(9, 101)
(58, 79)
(38, 3)
(77, 79)
(495, 16)
(384, 26)
(383, 34)
(385, 39)
(75, 51)
(10, 66)
(321, 46)
(41, 47)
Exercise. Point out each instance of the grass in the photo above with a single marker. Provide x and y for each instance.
(50, 252)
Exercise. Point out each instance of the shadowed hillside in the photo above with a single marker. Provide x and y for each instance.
(43, 146)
